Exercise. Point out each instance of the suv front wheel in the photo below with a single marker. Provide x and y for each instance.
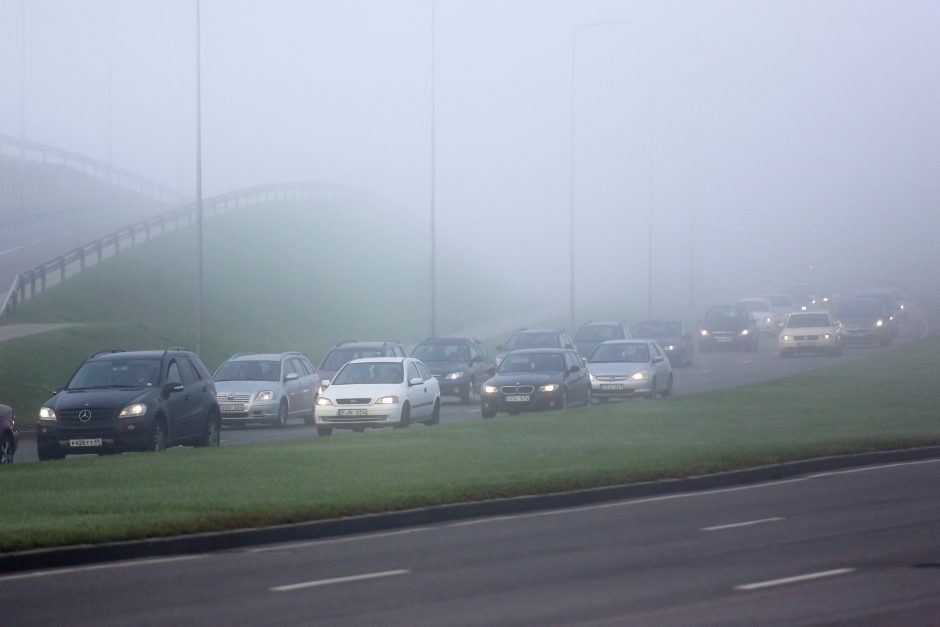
(213, 435)
(159, 436)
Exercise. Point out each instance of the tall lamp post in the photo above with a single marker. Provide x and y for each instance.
(572, 163)
(433, 270)
(199, 258)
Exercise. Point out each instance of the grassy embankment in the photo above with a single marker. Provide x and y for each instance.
(296, 276)
(887, 401)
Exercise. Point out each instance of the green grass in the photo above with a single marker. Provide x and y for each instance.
(889, 400)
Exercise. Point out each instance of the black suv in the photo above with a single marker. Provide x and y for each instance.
(348, 350)
(534, 338)
(130, 401)
(460, 365)
(730, 326)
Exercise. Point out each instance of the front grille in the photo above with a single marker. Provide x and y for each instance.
(353, 401)
(98, 415)
(233, 398)
(806, 337)
(611, 378)
(724, 334)
(354, 418)
(517, 389)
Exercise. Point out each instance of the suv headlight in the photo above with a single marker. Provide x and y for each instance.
(787, 338)
(137, 409)
(704, 332)
(551, 387)
(827, 336)
(386, 400)
(322, 400)
(879, 323)
(745, 332)
(490, 389)
(46, 414)
(455, 375)
(639, 376)
(266, 395)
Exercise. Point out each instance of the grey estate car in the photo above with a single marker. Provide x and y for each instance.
(271, 388)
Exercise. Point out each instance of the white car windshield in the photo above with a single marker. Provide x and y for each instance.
(808, 320)
(620, 353)
(366, 373)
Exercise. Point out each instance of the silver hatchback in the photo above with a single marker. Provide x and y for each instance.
(270, 388)
(629, 368)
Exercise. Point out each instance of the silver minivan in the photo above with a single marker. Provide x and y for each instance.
(266, 387)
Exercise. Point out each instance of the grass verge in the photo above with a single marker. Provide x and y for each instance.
(887, 401)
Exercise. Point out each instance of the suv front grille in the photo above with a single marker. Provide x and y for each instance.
(354, 401)
(517, 389)
(96, 415)
(233, 398)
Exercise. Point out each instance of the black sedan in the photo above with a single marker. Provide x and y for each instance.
(459, 364)
(535, 379)
(728, 326)
(8, 435)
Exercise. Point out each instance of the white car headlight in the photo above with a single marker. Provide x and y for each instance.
(745, 332)
(704, 332)
(879, 323)
(768, 320)
(787, 338)
(455, 375)
(46, 414)
(386, 400)
(671, 347)
(137, 409)
(591, 377)
(551, 387)
(490, 389)
(266, 395)
(639, 376)
(322, 400)
(826, 336)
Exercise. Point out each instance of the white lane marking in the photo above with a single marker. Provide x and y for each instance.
(746, 361)
(367, 536)
(80, 569)
(702, 371)
(780, 582)
(329, 582)
(851, 471)
(12, 250)
(747, 523)
(473, 411)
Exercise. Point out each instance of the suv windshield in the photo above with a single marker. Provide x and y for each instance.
(860, 307)
(599, 333)
(442, 352)
(365, 373)
(338, 357)
(620, 353)
(116, 372)
(249, 370)
(808, 320)
(722, 313)
(653, 330)
(533, 362)
(756, 305)
(533, 340)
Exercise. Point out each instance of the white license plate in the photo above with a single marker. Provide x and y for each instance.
(724, 339)
(353, 412)
(231, 407)
(612, 386)
(85, 443)
(518, 398)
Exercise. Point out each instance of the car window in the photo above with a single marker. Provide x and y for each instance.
(308, 367)
(620, 353)
(290, 367)
(413, 371)
(173, 373)
(186, 371)
(198, 376)
(533, 362)
(424, 372)
(656, 351)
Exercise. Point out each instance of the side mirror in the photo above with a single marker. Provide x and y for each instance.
(172, 388)
(415, 381)
(291, 376)
(56, 391)
(574, 369)
(568, 346)
(657, 360)
(491, 372)
(325, 383)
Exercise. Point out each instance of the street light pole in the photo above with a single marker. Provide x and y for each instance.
(199, 255)
(433, 277)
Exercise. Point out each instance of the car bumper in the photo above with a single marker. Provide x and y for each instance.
(253, 412)
(809, 346)
(119, 436)
(864, 336)
(536, 401)
(713, 342)
(374, 416)
(621, 389)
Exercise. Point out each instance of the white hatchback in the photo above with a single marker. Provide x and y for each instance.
(378, 392)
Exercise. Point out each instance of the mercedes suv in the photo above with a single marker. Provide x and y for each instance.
(130, 401)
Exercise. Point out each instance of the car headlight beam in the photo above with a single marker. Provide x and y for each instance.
(550, 387)
(137, 409)
(265, 395)
(45, 413)
(639, 376)
(490, 389)
(453, 376)
(386, 400)
(323, 401)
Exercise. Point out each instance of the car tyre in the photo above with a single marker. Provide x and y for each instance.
(653, 392)
(158, 437)
(213, 436)
(563, 403)
(324, 432)
(405, 417)
(487, 413)
(589, 397)
(435, 418)
(281, 421)
(310, 419)
(668, 391)
(6, 449)
(469, 395)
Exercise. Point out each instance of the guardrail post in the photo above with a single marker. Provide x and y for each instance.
(133, 235)
(81, 259)
(32, 281)
(62, 265)
(98, 250)
(117, 243)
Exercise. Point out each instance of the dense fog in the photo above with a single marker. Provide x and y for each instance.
(771, 143)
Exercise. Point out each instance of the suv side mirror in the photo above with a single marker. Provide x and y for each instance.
(574, 369)
(568, 346)
(172, 388)
(291, 376)
(657, 360)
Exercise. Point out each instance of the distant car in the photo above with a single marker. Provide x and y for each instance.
(890, 304)
(671, 335)
(628, 368)
(762, 312)
(864, 321)
(810, 332)
(348, 350)
(781, 305)
(8, 434)
(271, 388)
(131, 401)
(728, 326)
(591, 334)
(536, 379)
(534, 338)
(459, 364)
(379, 392)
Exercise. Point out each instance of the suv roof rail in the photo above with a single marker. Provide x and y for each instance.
(177, 348)
(293, 353)
(345, 342)
(387, 342)
(109, 351)
(242, 354)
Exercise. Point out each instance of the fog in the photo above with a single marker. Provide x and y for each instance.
(770, 142)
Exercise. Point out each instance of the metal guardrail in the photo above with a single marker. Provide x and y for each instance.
(41, 153)
(34, 281)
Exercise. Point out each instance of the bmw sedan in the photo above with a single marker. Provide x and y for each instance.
(543, 378)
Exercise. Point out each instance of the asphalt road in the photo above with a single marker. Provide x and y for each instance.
(850, 547)
(710, 371)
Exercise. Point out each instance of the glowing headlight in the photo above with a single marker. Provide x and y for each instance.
(704, 332)
(825, 299)
(902, 307)
(787, 338)
(890, 317)
(639, 376)
(386, 400)
(490, 389)
(455, 375)
(551, 387)
(46, 414)
(768, 320)
(137, 409)
(670, 348)
(879, 323)
(745, 332)
(591, 377)
(322, 400)
(826, 336)
(266, 395)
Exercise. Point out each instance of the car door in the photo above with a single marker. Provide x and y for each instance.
(177, 403)
(660, 366)
(577, 381)
(202, 395)
(292, 387)
(482, 366)
(417, 394)
(433, 387)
